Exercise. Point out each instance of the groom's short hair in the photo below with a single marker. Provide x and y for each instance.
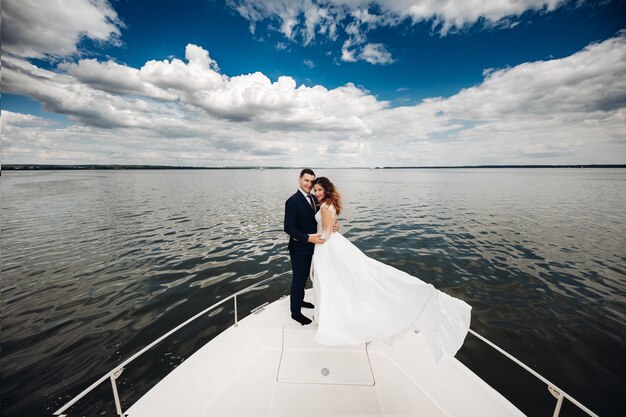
(307, 171)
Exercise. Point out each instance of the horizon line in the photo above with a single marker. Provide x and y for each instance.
(42, 167)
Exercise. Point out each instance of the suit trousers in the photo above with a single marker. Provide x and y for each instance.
(301, 267)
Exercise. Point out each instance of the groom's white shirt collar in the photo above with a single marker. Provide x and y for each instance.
(304, 194)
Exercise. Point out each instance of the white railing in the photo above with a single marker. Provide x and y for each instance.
(114, 374)
(117, 371)
(557, 392)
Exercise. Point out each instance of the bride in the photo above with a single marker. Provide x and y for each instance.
(360, 299)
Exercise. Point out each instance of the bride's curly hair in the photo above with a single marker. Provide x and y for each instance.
(331, 195)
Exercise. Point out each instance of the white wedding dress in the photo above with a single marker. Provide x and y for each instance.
(359, 299)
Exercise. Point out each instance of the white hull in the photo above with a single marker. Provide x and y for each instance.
(269, 365)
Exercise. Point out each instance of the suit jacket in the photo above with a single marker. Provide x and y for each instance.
(300, 223)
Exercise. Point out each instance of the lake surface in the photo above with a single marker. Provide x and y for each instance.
(97, 264)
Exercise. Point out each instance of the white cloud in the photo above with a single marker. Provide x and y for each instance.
(106, 94)
(304, 20)
(459, 14)
(569, 110)
(20, 120)
(575, 84)
(53, 28)
(376, 53)
(200, 73)
(563, 110)
(64, 94)
(113, 78)
(348, 55)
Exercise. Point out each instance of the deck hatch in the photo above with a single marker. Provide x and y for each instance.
(304, 361)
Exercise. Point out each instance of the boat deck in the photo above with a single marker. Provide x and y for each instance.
(269, 365)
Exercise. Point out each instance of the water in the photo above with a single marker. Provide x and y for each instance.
(97, 264)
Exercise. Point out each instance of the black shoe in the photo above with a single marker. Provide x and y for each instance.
(307, 305)
(301, 318)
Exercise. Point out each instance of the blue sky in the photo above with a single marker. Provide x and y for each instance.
(330, 83)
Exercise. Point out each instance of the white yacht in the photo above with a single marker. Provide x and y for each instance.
(268, 365)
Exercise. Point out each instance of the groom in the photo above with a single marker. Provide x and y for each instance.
(301, 227)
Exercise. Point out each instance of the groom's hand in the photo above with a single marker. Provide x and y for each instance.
(316, 239)
(336, 226)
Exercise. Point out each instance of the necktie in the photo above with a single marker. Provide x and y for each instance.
(311, 202)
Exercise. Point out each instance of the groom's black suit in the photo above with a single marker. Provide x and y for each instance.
(299, 224)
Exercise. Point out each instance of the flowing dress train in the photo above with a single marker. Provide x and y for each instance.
(360, 299)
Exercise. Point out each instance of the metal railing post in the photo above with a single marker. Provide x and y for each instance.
(559, 400)
(116, 396)
(558, 393)
(235, 299)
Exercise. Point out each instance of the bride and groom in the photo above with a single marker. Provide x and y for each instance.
(358, 298)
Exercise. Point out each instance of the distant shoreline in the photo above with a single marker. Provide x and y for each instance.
(44, 167)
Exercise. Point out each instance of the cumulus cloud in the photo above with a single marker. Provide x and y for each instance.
(187, 112)
(305, 20)
(61, 93)
(571, 86)
(570, 109)
(53, 28)
(113, 78)
(106, 94)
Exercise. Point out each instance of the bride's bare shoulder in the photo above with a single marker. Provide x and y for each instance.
(328, 207)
